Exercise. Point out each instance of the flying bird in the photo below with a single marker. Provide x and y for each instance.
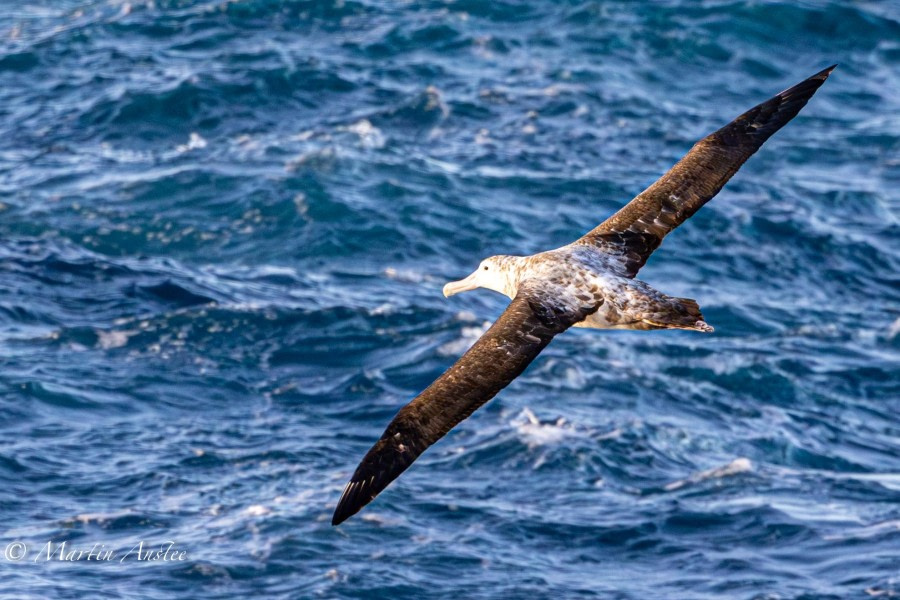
(588, 283)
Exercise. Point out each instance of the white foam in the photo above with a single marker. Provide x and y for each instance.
(113, 339)
(735, 467)
(406, 275)
(466, 316)
(469, 335)
(535, 433)
(256, 510)
(369, 135)
(87, 518)
(195, 141)
(894, 329)
(385, 308)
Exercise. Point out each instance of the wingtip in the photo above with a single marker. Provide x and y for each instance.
(824, 73)
(348, 505)
(797, 95)
(340, 515)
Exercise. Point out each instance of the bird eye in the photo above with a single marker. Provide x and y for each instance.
(485, 267)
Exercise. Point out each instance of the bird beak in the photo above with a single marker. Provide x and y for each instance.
(463, 285)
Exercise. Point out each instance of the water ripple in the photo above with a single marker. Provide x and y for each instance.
(224, 228)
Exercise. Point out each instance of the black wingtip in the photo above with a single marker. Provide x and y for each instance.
(350, 502)
(339, 518)
(813, 83)
(400, 445)
(370, 478)
(806, 88)
(824, 73)
(341, 513)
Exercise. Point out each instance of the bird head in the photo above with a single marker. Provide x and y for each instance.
(497, 273)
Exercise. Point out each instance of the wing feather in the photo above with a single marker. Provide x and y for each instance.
(498, 357)
(638, 228)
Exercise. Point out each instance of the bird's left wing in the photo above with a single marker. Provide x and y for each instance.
(637, 229)
(529, 323)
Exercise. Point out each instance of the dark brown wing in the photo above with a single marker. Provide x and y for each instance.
(636, 230)
(498, 357)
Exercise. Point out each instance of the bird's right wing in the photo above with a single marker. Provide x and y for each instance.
(499, 356)
(639, 227)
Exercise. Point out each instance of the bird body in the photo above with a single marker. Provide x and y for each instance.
(587, 283)
(581, 273)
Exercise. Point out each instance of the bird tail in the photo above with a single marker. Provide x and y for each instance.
(675, 313)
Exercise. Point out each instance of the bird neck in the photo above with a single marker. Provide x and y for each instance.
(511, 268)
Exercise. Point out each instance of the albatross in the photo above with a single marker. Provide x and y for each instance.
(588, 283)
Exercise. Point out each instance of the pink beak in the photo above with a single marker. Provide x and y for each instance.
(463, 285)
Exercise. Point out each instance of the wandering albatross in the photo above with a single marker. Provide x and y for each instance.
(588, 283)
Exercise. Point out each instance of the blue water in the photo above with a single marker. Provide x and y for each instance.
(224, 228)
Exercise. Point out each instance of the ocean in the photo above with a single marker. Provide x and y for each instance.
(224, 230)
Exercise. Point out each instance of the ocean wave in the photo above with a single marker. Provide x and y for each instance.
(224, 228)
